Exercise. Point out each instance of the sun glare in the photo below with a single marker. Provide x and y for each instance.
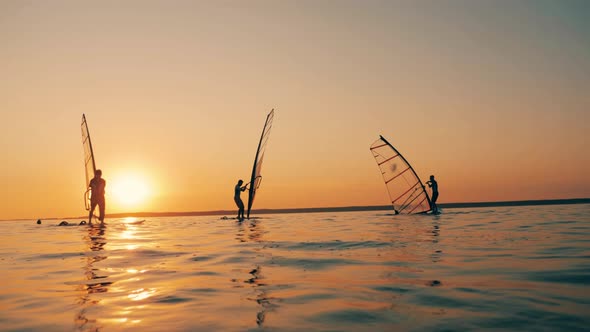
(130, 190)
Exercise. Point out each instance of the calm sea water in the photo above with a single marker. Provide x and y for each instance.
(517, 268)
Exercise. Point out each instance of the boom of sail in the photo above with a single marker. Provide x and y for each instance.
(406, 191)
(89, 164)
(256, 178)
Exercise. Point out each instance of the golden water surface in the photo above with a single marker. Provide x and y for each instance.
(518, 268)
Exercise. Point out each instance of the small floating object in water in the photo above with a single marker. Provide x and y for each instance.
(38, 221)
(65, 223)
(434, 283)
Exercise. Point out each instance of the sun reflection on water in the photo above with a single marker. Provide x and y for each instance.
(128, 234)
(141, 294)
(135, 271)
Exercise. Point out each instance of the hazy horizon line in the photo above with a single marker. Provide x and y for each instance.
(329, 209)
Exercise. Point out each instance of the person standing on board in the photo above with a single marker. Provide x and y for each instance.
(434, 185)
(96, 186)
(237, 191)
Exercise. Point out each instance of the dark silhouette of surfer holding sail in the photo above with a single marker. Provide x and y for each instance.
(434, 185)
(97, 185)
(237, 191)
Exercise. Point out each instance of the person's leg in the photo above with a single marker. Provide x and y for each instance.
(92, 207)
(241, 212)
(434, 198)
(239, 204)
(101, 208)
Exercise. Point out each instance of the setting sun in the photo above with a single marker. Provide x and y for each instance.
(130, 190)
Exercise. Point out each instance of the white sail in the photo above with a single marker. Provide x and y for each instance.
(89, 163)
(256, 178)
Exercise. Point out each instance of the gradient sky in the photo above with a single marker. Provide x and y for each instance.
(490, 96)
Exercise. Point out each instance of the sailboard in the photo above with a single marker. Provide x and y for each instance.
(89, 163)
(406, 191)
(256, 178)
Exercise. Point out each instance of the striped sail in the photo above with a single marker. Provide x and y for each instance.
(406, 191)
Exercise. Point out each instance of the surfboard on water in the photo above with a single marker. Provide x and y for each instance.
(256, 177)
(406, 191)
(73, 223)
(131, 222)
(84, 223)
(236, 218)
(136, 222)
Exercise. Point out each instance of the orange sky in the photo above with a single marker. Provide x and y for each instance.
(490, 97)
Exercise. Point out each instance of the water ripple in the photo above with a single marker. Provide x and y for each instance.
(505, 269)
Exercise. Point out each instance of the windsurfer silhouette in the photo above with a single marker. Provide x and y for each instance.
(237, 191)
(434, 185)
(97, 185)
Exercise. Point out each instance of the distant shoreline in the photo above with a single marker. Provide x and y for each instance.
(351, 208)
(333, 209)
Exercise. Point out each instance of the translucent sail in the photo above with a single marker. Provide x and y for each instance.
(256, 178)
(89, 164)
(406, 191)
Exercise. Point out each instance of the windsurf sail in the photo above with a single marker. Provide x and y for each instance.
(256, 178)
(89, 164)
(406, 191)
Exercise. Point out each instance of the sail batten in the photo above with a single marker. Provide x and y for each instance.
(402, 182)
(383, 162)
(423, 199)
(393, 178)
(378, 146)
(256, 177)
(410, 199)
(402, 195)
